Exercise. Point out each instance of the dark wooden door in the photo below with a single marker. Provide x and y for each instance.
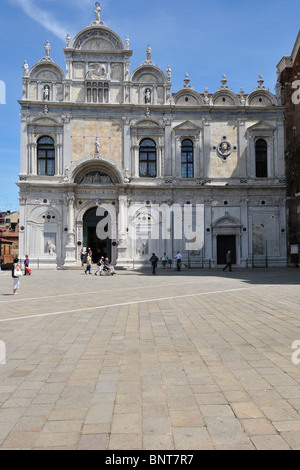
(225, 243)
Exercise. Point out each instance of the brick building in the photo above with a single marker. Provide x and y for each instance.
(9, 236)
(288, 86)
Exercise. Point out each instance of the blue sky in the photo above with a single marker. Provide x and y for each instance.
(203, 38)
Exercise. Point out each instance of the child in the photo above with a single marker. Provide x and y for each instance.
(16, 274)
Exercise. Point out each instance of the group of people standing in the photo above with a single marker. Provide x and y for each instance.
(165, 259)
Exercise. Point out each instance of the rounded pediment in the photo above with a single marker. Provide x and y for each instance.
(98, 39)
(261, 98)
(187, 97)
(225, 97)
(46, 71)
(148, 74)
(96, 171)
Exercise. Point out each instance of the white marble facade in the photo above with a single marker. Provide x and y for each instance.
(95, 119)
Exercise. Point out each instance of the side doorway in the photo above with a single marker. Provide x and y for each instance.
(225, 243)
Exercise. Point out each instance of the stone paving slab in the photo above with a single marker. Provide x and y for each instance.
(194, 360)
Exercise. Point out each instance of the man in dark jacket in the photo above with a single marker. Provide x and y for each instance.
(154, 261)
(228, 261)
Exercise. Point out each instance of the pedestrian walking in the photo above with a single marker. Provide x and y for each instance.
(154, 261)
(88, 264)
(82, 257)
(100, 266)
(164, 260)
(16, 274)
(27, 271)
(178, 257)
(228, 261)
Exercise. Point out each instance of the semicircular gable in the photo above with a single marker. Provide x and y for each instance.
(148, 74)
(187, 98)
(261, 98)
(98, 39)
(224, 98)
(97, 171)
(49, 71)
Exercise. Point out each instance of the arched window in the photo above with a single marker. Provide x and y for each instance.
(187, 159)
(147, 159)
(46, 156)
(261, 158)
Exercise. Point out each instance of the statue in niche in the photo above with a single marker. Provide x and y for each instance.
(127, 177)
(147, 96)
(141, 249)
(51, 248)
(97, 146)
(66, 175)
(46, 94)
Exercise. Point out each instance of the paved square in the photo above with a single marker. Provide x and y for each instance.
(178, 361)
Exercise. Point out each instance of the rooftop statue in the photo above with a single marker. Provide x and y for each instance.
(97, 11)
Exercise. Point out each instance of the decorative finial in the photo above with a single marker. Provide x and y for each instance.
(242, 93)
(224, 80)
(127, 43)
(187, 80)
(68, 39)
(260, 81)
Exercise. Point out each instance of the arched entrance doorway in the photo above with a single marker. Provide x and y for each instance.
(99, 247)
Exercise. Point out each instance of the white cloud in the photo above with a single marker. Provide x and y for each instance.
(43, 17)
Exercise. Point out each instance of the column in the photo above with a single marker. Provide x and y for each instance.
(70, 251)
(271, 157)
(242, 148)
(177, 157)
(206, 147)
(197, 158)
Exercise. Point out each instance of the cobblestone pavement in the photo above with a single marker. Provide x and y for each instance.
(178, 361)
